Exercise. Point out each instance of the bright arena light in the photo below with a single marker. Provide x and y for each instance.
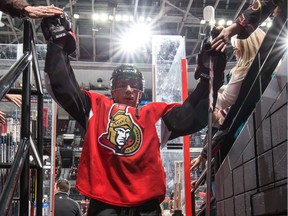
(125, 18)
(76, 16)
(202, 22)
(141, 19)
(95, 16)
(104, 17)
(221, 22)
(118, 18)
(149, 19)
(137, 37)
(212, 22)
(229, 22)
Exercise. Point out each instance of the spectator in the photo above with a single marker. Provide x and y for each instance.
(19, 8)
(245, 52)
(63, 204)
(248, 21)
(16, 99)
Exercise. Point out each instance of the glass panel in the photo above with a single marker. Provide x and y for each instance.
(167, 53)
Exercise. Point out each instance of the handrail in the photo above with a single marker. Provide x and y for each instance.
(201, 211)
(201, 177)
(20, 164)
(199, 181)
(35, 153)
(13, 177)
(36, 69)
(15, 71)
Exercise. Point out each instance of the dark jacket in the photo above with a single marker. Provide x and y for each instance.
(13, 7)
(65, 205)
(255, 14)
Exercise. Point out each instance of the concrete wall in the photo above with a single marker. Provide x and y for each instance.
(252, 179)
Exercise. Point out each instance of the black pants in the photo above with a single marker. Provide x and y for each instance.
(150, 208)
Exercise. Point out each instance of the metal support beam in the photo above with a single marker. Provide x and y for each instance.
(93, 34)
(25, 123)
(185, 16)
(177, 8)
(135, 9)
(12, 28)
(216, 4)
(40, 173)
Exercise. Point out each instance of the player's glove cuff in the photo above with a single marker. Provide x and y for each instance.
(59, 28)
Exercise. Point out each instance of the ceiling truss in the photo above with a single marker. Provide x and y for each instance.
(96, 41)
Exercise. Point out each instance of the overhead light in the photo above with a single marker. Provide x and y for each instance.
(221, 22)
(212, 22)
(1, 24)
(125, 18)
(118, 17)
(104, 17)
(95, 16)
(138, 36)
(202, 22)
(141, 19)
(229, 22)
(76, 16)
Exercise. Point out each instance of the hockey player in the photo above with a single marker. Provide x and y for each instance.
(120, 167)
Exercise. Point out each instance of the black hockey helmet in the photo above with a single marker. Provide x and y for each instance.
(127, 72)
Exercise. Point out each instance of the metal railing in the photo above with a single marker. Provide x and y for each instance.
(20, 167)
(257, 79)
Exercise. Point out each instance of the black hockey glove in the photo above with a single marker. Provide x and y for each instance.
(58, 28)
(203, 63)
(219, 61)
(203, 57)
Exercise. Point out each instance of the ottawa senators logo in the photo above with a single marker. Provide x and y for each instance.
(123, 135)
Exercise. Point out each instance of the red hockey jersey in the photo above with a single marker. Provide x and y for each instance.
(120, 162)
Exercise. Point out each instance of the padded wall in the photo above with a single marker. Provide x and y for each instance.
(252, 179)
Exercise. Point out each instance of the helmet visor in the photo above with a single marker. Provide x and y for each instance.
(122, 82)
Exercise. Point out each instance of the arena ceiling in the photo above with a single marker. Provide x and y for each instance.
(98, 40)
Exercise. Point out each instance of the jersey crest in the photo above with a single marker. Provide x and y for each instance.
(123, 136)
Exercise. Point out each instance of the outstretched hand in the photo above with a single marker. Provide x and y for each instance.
(195, 163)
(2, 117)
(16, 99)
(35, 12)
(220, 42)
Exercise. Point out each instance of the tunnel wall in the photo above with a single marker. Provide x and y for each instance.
(252, 180)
